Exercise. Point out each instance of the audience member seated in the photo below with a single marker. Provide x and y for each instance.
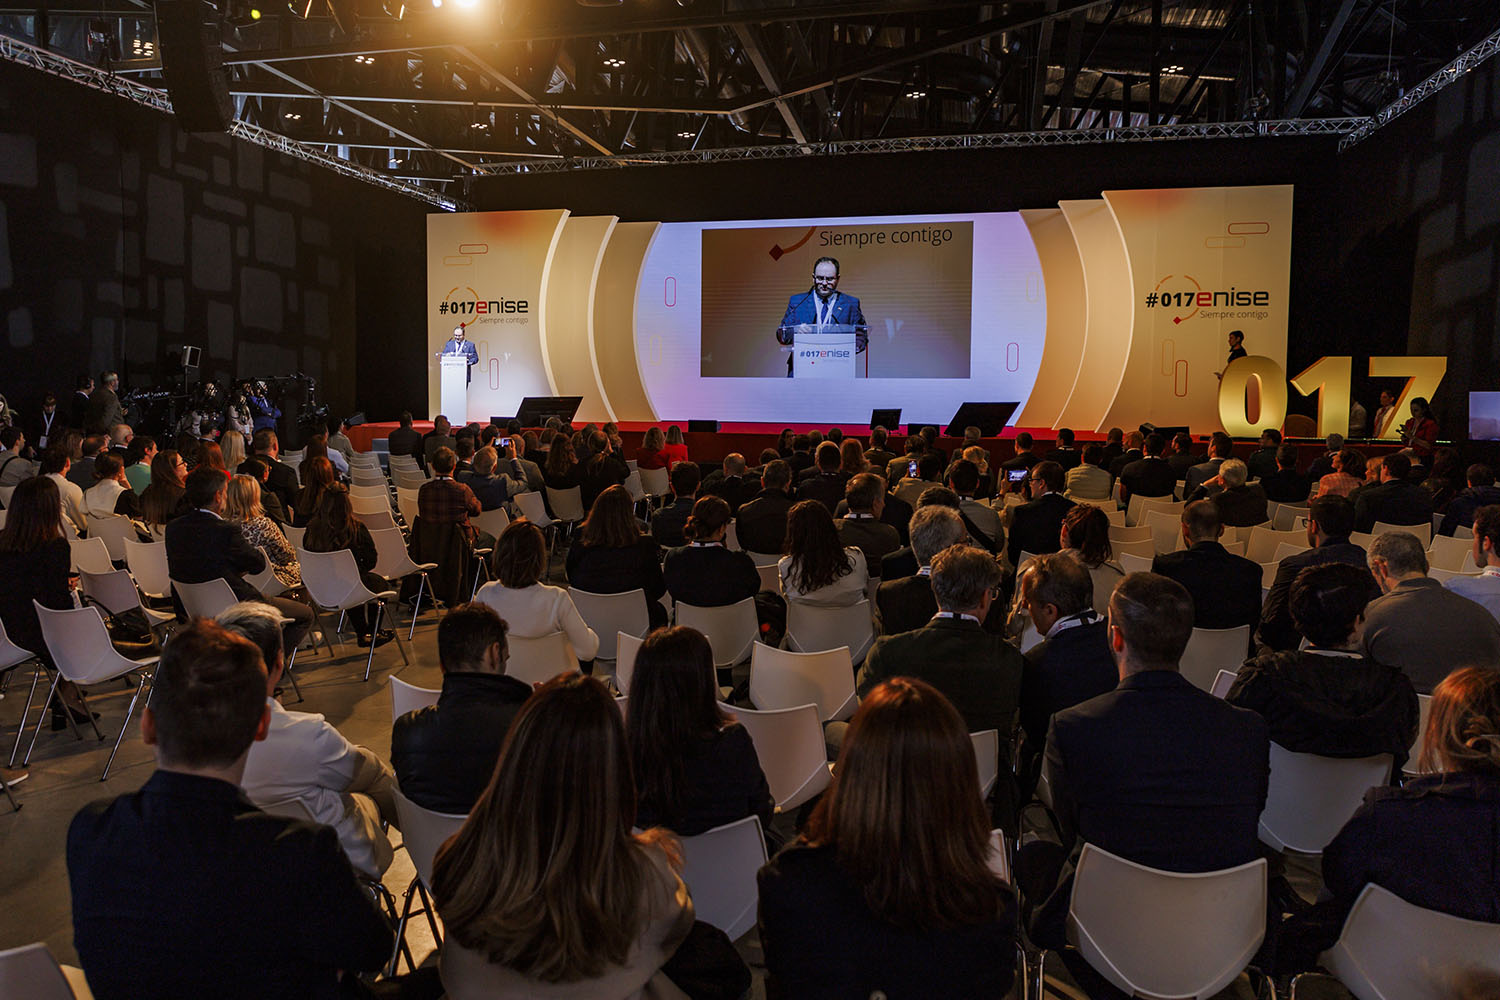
(562, 471)
(1443, 479)
(984, 521)
(649, 455)
(211, 456)
(55, 466)
(1085, 536)
(668, 522)
(732, 484)
(526, 473)
(1324, 463)
(81, 469)
(930, 467)
(1181, 457)
(1241, 504)
(1418, 625)
(1395, 499)
(405, 440)
(162, 499)
(1073, 662)
(841, 914)
(818, 568)
(441, 436)
(1151, 475)
(675, 450)
(800, 456)
(1265, 460)
(1220, 447)
(612, 555)
(464, 449)
(302, 757)
(444, 754)
(1113, 448)
(981, 460)
(605, 468)
(1329, 521)
(695, 767)
(1286, 484)
(878, 455)
(317, 477)
(906, 602)
(1327, 698)
(1225, 588)
(14, 466)
(188, 851)
(270, 503)
(761, 522)
(1483, 589)
(242, 507)
(138, 462)
(703, 572)
(1133, 449)
(824, 482)
(444, 500)
(1024, 458)
(1036, 526)
(491, 490)
(1347, 476)
(283, 480)
(1481, 492)
(531, 608)
(334, 528)
(554, 824)
(111, 493)
(1065, 454)
(202, 546)
(861, 526)
(317, 447)
(1128, 772)
(1088, 480)
(851, 457)
(1433, 840)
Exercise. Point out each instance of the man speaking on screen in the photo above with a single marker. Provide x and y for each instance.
(459, 344)
(820, 308)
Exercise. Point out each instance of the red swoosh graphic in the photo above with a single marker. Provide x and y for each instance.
(777, 251)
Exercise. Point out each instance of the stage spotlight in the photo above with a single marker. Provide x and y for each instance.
(916, 95)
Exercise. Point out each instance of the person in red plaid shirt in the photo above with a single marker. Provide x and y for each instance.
(444, 500)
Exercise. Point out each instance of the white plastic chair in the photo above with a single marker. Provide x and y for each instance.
(792, 752)
(31, 973)
(626, 648)
(377, 520)
(1213, 649)
(1166, 529)
(1262, 543)
(333, 581)
(90, 555)
(781, 678)
(1410, 770)
(408, 698)
(1120, 533)
(148, 564)
(1144, 549)
(115, 592)
(1222, 683)
(764, 559)
(1362, 539)
(770, 577)
(531, 507)
(1422, 531)
(406, 505)
(987, 756)
(611, 614)
(266, 581)
(1135, 510)
(1197, 934)
(811, 628)
(369, 504)
(719, 868)
(567, 505)
(112, 530)
(730, 629)
(1310, 798)
(633, 486)
(1464, 531)
(656, 482)
(538, 659)
(294, 535)
(1390, 949)
(392, 562)
(80, 647)
(12, 655)
(423, 831)
(732, 538)
(1285, 549)
(1449, 552)
(1133, 563)
(204, 600)
(1284, 518)
(492, 522)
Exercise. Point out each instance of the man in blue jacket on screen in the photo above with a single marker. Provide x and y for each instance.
(820, 307)
(459, 344)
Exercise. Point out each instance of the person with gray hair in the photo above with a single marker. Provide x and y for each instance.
(1241, 504)
(907, 602)
(302, 757)
(731, 484)
(1419, 626)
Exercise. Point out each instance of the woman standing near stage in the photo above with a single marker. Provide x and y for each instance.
(1419, 434)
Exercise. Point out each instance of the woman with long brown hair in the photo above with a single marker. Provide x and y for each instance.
(545, 892)
(695, 767)
(817, 568)
(612, 555)
(892, 887)
(161, 500)
(333, 527)
(317, 477)
(1085, 533)
(211, 456)
(562, 470)
(852, 458)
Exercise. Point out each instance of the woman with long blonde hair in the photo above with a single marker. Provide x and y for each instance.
(242, 507)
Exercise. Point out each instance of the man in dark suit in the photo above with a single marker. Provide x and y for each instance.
(761, 524)
(1225, 588)
(820, 307)
(1149, 476)
(260, 470)
(877, 454)
(104, 409)
(1393, 500)
(668, 523)
(404, 440)
(1323, 464)
(1134, 451)
(202, 546)
(283, 478)
(1481, 493)
(1036, 526)
(441, 436)
(1286, 484)
(1025, 457)
(460, 345)
(732, 484)
(1065, 454)
(905, 601)
(861, 526)
(1220, 447)
(1329, 521)
(1262, 462)
(1128, 771)
(1182, 458)
(1114, 445)
(78, 407)
(1241, 504)
(257, 905)
(824, 482)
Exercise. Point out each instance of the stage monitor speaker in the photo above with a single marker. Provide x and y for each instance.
(990, 418)
(1167, 432)
(192, 64)
(535, 410)
(889, 419)
(703, 426)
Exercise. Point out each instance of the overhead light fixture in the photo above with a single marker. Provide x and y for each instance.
(916, 95)
(292, 116)
(684, 135)
(365, 60)
(615, 62)
(1173, 69)
(480, 125)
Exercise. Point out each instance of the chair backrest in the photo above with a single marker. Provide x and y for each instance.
(1116, 516)
(391, 558)
(655, 482)
(1284, 549)
(80, 646)
(1394, 950)
(406, 503)
(1120, 533)
(1464, 531)
(1310, 798)
(1222, 683)
(423, 831)
(567, 505)
(332, 578)
(610, 614)
(1165, 527)
(719, 868)
(204, 600)
(732, 538)
(10, 653)
(764, 559)
(31, 973)
(112, 530)
(1424, 708)
(987, 756)
(1135, 509)
(781, 678)
(539, 659)
(1234, 548)
(1133, 563)
(633, 485)
(1449, 553)
(148, 564)
(770, 577)
(1362, 539)
(1263, 541)
(266, 580)
(812, 628)
(294, 535)
(790, 747)
(730, 629)
(1284, 518)
(1422, 531)
(113, 591)
(1145, 549)
(369, 505)
(532, 508)
(408, 698)
(626, 646)
(1196, 936)
(1213, 649)
(90, 555)
(376, 520)
(492, 522)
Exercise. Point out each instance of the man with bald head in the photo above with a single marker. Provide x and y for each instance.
(733, 484)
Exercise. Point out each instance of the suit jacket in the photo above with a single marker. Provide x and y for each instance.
(1428, 632)
(1068, 458)
(1225, 588)
(1461, 508)
(904, 602)
(709, 576)
(668, 523)
(445, 753)
(761, 524)
(1261, 463)
(1149, 477)
(1199, 474)
(1064, 670)
(78, 408)
(1241, 506)
(874, 538)
(1277, 630)
(1088, 481)
(405, 441)
(733, 490)
(803, 308)
(202, 546)
(1322, 466)
(1181, 462)
(1286, 486)
(825, 487)
(978, 671)
(234, 885)
(1118, 464)
(103, 411)
(468, 350)
(601, 570)
(282, 481)
(1036, 527)
(1394, 502)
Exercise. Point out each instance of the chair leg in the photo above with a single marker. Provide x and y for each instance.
(416, 607)
(145, 678)
(38, 730)
(5, 787)
(395, 962)
(293, 677)
(400, 643)
(36, 672)
(374, 632)
(431, 911)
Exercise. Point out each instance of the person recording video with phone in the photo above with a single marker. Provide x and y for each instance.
(822, 308)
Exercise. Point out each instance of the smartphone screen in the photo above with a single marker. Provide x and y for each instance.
(1016, 475)
(505, 442)
(911, 469)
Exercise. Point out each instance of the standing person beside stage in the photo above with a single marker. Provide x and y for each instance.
(460, 344)
(1419, 434)
(1236, 350)
(820, 307)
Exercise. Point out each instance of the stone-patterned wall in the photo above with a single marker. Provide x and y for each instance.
(123, 238)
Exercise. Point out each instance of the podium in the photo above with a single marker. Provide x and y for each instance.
(829, 354)
(453, 394)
